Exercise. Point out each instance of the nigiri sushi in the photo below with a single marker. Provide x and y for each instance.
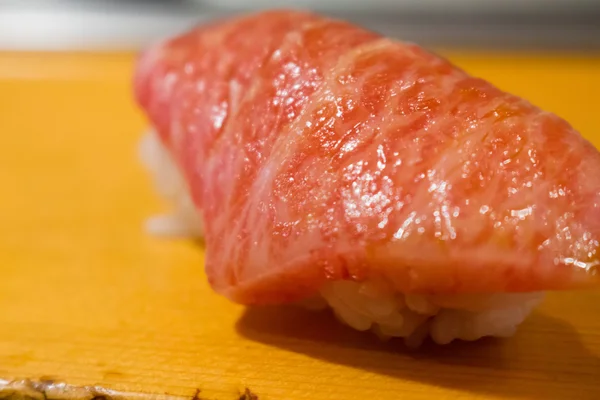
(326, 164)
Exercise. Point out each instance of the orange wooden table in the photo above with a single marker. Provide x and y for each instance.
(91, 302)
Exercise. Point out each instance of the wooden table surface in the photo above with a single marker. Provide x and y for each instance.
(90, 302)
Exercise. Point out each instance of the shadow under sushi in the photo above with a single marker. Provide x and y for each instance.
(536, 363)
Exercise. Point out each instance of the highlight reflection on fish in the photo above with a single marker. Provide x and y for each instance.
(324, 161)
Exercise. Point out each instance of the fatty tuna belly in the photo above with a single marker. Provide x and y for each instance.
(433, 180)
(338, 154)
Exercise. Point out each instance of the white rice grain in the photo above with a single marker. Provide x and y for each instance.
(184, 220)
(423, 316)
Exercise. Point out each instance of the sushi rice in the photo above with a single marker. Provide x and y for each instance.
(369, 305)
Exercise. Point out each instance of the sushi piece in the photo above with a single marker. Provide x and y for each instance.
(327, 164)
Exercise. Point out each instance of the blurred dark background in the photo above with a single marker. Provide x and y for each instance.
(128, 24)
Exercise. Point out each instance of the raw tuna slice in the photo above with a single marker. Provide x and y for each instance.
(323, 160)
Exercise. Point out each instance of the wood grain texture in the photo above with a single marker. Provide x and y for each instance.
(89, 300)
